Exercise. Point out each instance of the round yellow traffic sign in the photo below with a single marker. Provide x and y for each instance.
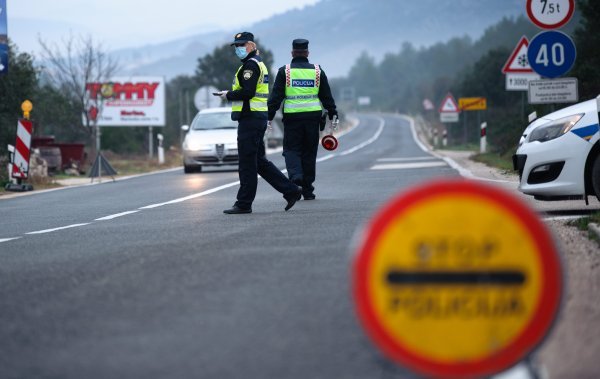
(456, 278)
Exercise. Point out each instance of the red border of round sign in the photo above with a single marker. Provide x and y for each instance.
(540, 24)
(533, 333)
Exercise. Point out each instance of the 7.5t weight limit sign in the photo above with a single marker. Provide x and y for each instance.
(550, 14)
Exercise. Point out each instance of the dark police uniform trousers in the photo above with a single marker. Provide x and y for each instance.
(251, 150)
(300, 146)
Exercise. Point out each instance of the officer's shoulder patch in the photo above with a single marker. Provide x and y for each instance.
(247, 74)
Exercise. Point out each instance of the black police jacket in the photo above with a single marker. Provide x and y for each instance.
(278, 93)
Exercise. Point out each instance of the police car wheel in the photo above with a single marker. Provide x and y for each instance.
(596, 177)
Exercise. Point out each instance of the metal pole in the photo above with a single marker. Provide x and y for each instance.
(522, 104)
(99, 157)
(180, 108)
(464, 127)
(150, 143)
(187, 108)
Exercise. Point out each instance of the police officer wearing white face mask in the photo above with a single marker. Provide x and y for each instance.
(249, 95)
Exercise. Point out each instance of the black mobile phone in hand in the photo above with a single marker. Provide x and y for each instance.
(216, 94)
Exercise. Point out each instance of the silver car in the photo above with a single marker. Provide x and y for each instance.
(211, 140)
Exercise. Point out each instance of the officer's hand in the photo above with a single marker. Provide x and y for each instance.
(269, 127)
(223, 95)
(332, 114)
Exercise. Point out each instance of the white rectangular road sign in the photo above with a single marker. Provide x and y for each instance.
(128, 101)
(519, 81)
(449, 116)
(550, 91)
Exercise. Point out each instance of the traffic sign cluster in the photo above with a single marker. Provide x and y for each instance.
(550, 54)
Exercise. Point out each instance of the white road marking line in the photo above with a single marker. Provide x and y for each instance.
(405, 159)
(115, 215)
(193, 196)
(562, 218)
(8, 239)
(404, 166)
(367, 142)
(324, 158)
(461, 170)
(60, 228)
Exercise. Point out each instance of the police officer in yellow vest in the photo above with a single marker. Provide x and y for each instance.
(249, 107)
(304, 90)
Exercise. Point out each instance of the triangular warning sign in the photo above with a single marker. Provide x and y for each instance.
(449, 104)
(518, 61)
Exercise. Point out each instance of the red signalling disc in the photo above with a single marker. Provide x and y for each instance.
(329, 142)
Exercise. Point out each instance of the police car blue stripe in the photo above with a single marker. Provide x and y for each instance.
(587, 131)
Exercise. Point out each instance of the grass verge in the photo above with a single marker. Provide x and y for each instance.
(503, 162)
(583, 224)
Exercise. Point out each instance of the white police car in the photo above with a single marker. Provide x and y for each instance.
(559, 154)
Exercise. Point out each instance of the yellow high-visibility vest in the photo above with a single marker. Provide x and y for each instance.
(259, 102)
(302, 90)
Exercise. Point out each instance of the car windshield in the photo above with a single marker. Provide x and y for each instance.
(221, 120)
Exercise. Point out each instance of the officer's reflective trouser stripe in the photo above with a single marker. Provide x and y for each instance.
(303, 105)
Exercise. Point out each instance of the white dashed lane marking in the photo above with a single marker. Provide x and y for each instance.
(115, 215)
(409, 159)
(59, 228)
(406, 166)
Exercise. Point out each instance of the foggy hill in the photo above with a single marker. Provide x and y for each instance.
(338, 30)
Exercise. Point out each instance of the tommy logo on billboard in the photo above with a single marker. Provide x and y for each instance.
(123, 94)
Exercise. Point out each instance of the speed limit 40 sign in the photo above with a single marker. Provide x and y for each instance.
(551, 53)
(550, 14)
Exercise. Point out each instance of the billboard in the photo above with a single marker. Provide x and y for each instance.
(3, 39)
(127, 101)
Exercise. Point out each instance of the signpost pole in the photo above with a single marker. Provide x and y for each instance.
(150, 143)
(464, 128)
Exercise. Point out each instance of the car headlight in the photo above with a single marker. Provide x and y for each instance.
(195, 145)
(554, 129)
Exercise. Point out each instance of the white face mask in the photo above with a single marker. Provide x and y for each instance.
(241, 52)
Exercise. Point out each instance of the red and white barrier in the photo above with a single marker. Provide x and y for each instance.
(20, 164)
(483, 140)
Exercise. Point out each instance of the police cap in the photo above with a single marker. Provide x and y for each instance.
(243, 37)
(300, 44)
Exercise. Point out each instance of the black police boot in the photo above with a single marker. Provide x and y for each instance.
(235, 210)
(309, 196)
(293, 198)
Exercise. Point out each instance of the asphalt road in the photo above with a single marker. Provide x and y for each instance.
(147, 278)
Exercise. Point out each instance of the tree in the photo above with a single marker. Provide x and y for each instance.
(587, 40)
(71, 66)
(217, 69)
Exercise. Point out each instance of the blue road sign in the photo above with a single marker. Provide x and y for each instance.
(3, 39)
(3, 59)
(551, 54)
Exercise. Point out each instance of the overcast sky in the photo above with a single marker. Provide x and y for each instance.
(129, 23)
